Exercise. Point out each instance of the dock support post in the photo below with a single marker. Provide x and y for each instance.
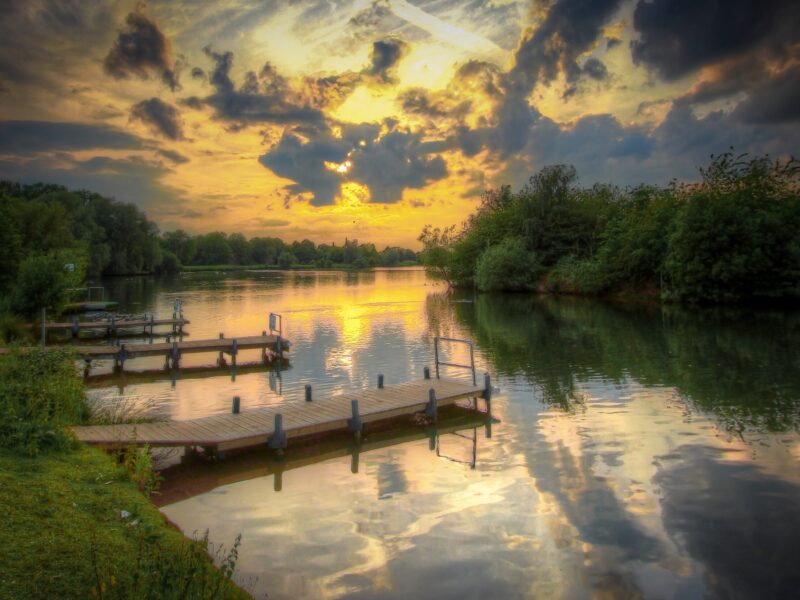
(152, 324)
(432, 433)
(234, 351)
(278, 483)
(308, 392)
(176, 355)
(112, 329)
(355, 451)
(277, 441)
(431, 408)
(380, 381)
(279, 347)
(119, 361)
(487, 392)
(76, 328)
(264, 349)
(426, 372)
(235, 405)
(221, 360)
(354, 424)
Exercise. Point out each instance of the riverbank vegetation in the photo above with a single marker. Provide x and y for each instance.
(730, 237)
(75, 521)
(54, 238)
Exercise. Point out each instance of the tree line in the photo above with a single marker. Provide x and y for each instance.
(730, 237)
(218, 248)
(52, 239)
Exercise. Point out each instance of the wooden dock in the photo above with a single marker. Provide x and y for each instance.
(274, 425)
(173, 351)
(113, 326)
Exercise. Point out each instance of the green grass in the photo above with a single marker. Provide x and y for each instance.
(63, 535)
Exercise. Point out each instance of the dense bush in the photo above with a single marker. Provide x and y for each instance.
(506, 266)
(41, 393)
(44, 281)
(730, 237)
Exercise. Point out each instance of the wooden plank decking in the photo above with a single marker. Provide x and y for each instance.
(110, 325)
(257, 426)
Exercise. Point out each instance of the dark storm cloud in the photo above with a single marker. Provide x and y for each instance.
(396, 161)
(263, 98)
(419, 101)
(776, 101)
(27, 137)
(385, 56)
(140, 50)
(749, 48)
(569, 29)
(678, 37)
(387, 165)
(304, 163)
(161, 117)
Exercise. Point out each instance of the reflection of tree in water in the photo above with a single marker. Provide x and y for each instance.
(738, 365)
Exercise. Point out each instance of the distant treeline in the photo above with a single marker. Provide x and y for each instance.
(220, 249)
(733, 236)
(52, 238)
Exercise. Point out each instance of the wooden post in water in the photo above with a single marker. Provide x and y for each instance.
(235, 405)
(426, 372)
(431, 408)
(277, 441)
(176, 355)
(221, 360)
(308, 392)
(264, 349)
(76, 328)
(380, 381)
(234, 351)
(354, 424)
(487, 392)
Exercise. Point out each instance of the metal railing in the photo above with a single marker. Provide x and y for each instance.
(470, 366)
(275, 324)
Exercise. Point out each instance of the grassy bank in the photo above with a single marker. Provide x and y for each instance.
(65, 534)
(75, 523)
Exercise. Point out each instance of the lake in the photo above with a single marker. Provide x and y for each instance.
(633, 451)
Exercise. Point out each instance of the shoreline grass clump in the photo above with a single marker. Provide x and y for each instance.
(77, 522)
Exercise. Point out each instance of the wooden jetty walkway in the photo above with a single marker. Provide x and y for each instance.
(173, 351)
(113, 326)
(274, 425)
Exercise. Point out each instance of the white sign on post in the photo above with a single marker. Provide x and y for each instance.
(273, 321)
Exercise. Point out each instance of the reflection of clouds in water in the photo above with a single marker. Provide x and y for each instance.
(743, 526)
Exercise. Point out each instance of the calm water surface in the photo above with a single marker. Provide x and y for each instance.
(635, 452)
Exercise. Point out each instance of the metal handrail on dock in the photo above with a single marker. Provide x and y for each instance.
(437, 340)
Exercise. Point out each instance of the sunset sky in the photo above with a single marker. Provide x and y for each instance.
(369, 119)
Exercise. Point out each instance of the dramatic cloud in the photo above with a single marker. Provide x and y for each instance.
(163, 118)
(387, 164)
(384, 58)
(776, 101)
(678, 37)
(265, 97)
(568, 30)
(27, 137)
(140, 50)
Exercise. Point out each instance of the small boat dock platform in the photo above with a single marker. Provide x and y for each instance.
(113, 326)
(275, 425)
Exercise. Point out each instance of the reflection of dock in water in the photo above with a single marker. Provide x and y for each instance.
(123, 379)
(196, 474)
